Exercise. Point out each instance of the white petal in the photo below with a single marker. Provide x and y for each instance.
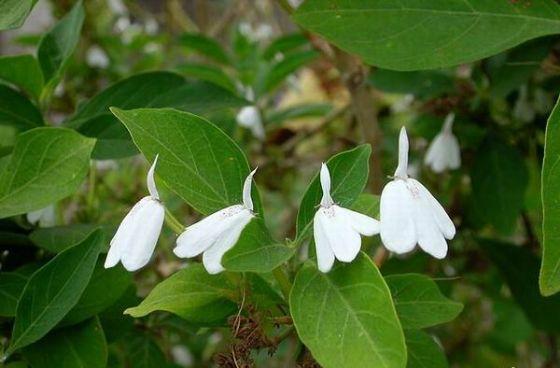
(363, 224)
(454, 153)
(325, 254)
(200, 236)
(212, 257)
(147, 225)
(124, 234)
(448, 123)
(441, 218)
(344, 241)
(435, 154)
(247, 200)
(430, 237)
(398, 232)
(151, 182)
(401, 171)
(325, 178)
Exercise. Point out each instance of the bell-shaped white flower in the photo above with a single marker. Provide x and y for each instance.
(410, 215)
(44, 217)
(444, 152)
(137, 235)
(214, 235)
(337, 229)
(250, 117)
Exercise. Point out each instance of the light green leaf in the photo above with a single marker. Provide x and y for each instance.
(349, 172)
(298, 112)
(11, 287)
(80, 346)
(59, 238)
(346, 317)
(419, 302)
(421, 84)
(197, 160)
(423, 351)
(47, 164)
(549, 279)
(193, 295)
(53, 291)
(368, 204)
(281, 70)
(24, 72)
(520, 267)
(59, 43)
(208, 73)
(256, 251)
(499, 179)
(105, 287)
(205, 46)
(284, 44)
(14, 12)
(17, 111)
(419, 34)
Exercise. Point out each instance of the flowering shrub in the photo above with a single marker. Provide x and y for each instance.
(206, 184)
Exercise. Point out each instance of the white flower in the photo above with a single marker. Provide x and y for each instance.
(45, 217)
(216, 234)
(444, 152)
(137, 235)
(97, 58)
(250, 117)
(410, 215)
(337, 230)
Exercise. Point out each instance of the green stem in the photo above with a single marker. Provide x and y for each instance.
(173, 223)
(283, 281)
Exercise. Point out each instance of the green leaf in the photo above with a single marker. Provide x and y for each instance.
(419, 34)
(349, 173)
(499, 179)
(346, 317)
(520, 267)
(208, 73)
(549, 279)
(17, 111)
(422, 84)
(47, 164)
(153, 89)
(193, 295)
(59, 238)
(11, 287)
(423, 351)
(59, 43)
(53, 291)
(419, 302)
(256, 251)
(284, 44)
(81, 346)
(197, 160)
(298, 112)
(14, 12)
(105, 287)
(205, 46)
(368, 204)
(281, 70)
(143, 352)
(24, 72)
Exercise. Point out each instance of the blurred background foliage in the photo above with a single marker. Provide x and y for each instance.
(254, 52)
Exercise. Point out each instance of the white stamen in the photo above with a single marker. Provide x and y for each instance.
(151, 182)
(325, 178)
(401, 171)
(247, 199)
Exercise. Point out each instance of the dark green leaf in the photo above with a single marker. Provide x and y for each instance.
(24, 72)
(193, 295)
(105, 287)
(80, 346)
(422, 84)
(549, 279)
(53, 291)
(499, 179)
(58, 238)
(419, 302)
(520, 268)
(115, 323)
(143, 352)
(47, 164)
(284, 44)
(197, 160)
(208, 73)
(11, 287)
(290, 64)
(349, 173)
(256, 251)
(421, 34)
(346, 317)
(204, 45)
(17, 111)
(14, 12)
(59, 43)
(423, 351)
